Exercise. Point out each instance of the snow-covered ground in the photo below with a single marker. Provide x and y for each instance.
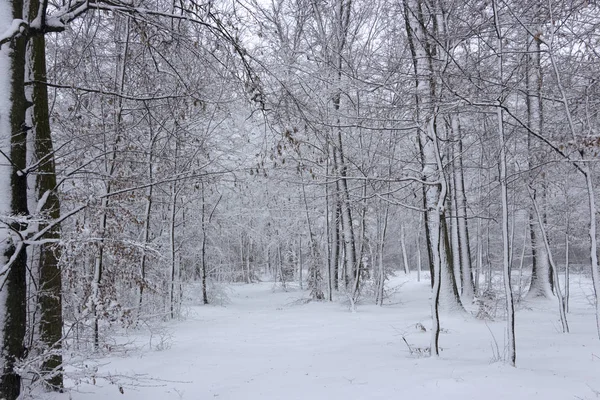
(266, 344)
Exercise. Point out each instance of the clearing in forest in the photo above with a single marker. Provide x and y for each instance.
(268, 344)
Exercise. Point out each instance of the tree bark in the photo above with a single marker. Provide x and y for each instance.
(541, 285)
(13, 133)
(467, 284)
(203, 249)
(50, 278)
(172, 248)
(403, 249)
(561, 303)
(510, 308)
(148, 215)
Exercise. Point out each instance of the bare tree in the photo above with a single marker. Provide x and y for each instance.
(510, 308)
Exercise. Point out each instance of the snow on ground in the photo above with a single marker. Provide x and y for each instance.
(267, 345)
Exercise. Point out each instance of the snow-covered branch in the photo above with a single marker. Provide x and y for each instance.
(17, 27)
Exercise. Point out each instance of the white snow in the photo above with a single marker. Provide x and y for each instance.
(50, 22)
(266, 345)
(16, 26)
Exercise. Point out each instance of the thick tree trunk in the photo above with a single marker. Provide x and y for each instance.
(435, 190)
(50, 279)
(13, 201)
(541, 285)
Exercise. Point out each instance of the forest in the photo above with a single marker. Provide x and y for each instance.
(165, 159)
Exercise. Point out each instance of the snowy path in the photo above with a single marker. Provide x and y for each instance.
(263, 346)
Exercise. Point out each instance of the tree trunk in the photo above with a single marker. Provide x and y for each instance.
(435, 189)
(13, 201)
(315, 278)
(172, 248)
(467, 285)
(561, 303)
(147, 215)
(203, 250)
(540, 271)
(418, 245)
(330, 275)
(585, 170)
(50, 278)
(450, 296)
(248, 265)
(540, 274)
(335, 242)
(567, 272)
(403, 248)
(332, 50)
(510, 308)
(454, 238)
(351, 267)
(110, 166)
(593, 243)
(383, 225)
(300, 261)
